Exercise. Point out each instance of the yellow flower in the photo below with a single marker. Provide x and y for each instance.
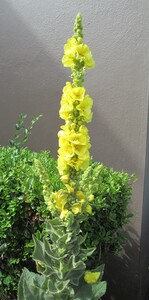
(83, 130)
(69, 52)
(84, 108)
(76, 208)
(66, 109)
(80, 195)
(78, 93)
(73, 50)
(91, 197)
(91, 277)
(64, 214)
(65, 178)
(80, 164)
(50, 205)
(70, 188)
(72, 93)
(77, 138)
(60, 199)
(85, 53)
(66, 150)
(82, 152)
(82, 201)
(88, 209)
(69, 97)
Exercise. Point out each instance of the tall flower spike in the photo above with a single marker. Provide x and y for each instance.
(60, 258)
(74, 141)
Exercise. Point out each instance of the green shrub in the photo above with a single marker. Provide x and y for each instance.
(110, 210)
(23, 210)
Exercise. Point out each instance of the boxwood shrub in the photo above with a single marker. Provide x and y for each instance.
(23, 210)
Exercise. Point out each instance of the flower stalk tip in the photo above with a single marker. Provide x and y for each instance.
(78, 29)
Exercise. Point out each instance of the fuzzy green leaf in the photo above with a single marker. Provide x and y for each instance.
(31, 286)
(98, 289)
(85, 293)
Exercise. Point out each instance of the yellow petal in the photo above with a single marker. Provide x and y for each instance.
(76, 208)
(88, 209)
(64, 214)
(91, 277)
(91, 197)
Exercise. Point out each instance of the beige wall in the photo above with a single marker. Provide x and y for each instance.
(32, 34)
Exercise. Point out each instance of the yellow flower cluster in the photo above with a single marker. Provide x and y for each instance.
(74, 51)
(75, 103)
(78, 207)
(91, 277)
(74, 149)
(60, 201)
(73, 138)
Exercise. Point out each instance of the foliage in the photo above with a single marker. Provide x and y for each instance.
(22, 134)
(112, 192)
(22, 208)
(60, 268)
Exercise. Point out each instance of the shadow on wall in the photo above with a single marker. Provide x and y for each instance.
(30, 81)
(113, 149)
(124, 284)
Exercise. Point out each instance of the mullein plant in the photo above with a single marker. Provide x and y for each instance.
(60, 257)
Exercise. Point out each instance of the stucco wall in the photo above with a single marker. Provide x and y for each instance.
(32, 34)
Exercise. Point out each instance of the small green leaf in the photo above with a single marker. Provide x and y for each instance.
(11, 142)
(17, 127)
(26, 131)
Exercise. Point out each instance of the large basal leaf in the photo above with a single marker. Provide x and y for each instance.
(31, 286)
(32, 292)
(20, 289)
